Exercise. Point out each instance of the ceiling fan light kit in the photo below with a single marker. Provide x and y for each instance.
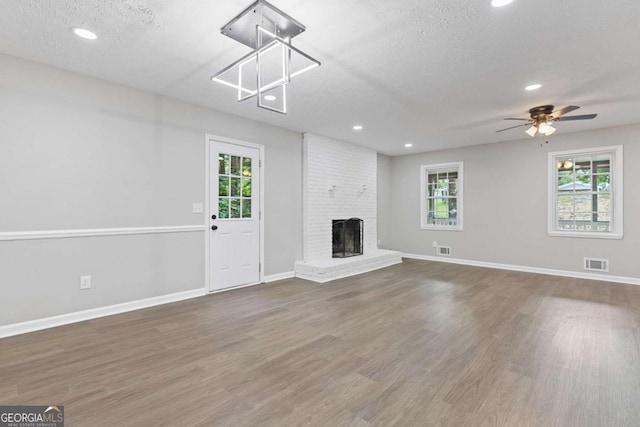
(545, 128)
(531, 131)
(266, 71)
(542, 118)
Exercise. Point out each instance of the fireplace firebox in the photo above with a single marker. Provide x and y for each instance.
(347, 237)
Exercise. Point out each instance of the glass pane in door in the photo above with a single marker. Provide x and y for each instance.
(246, 208)
(246, 187)
(234, 207)
(223, 207)
(235, 165)
(223, 164)
(246, 166)
(223, 186)
(234, 186)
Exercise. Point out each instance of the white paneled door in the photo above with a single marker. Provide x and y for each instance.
(234, 215)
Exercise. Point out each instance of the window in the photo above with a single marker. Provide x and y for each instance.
(585, 193)
(234, 186)
(441, 196)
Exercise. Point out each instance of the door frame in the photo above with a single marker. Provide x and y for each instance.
(207, 207)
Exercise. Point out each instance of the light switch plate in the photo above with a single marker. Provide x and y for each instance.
(198, 208)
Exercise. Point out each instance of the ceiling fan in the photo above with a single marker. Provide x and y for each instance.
(543, 117)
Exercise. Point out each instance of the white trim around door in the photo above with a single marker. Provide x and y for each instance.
(208, 208)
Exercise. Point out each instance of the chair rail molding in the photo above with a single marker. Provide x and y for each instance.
(96, 232)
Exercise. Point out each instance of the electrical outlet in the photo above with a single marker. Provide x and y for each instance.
(198, 208)
(435, 244)
(85, 282)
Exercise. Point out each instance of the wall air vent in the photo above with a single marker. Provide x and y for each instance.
(444, 250)
(593, 264)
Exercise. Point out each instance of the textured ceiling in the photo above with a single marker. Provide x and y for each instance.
(439, 74)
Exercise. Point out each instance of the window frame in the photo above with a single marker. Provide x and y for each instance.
(616, 190)
(424, 172)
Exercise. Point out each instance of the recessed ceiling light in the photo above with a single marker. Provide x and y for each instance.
(533, 87)
(269, 98)
(500, 3)
(84, 33)
(358, 127)
(408, 145)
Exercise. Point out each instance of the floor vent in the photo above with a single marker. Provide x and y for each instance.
(444, 250)
(593, 264)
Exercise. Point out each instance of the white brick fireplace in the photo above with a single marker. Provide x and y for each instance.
(339, 182)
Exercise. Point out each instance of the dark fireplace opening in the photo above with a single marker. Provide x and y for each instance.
(347, 237)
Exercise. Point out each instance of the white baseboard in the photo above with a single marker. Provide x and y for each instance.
(279, 276)
(94, 313)
(524, 269)
(233, 288)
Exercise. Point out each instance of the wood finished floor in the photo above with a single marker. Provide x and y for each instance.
(416, 344)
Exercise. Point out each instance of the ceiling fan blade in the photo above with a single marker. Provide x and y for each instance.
(565, 110)
(583, 117)
(513, 127)
(511, 118)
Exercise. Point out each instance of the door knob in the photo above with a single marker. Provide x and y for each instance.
(213, 217)
(214, 227)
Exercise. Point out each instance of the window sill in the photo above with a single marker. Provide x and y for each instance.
(586, 235)
(440, 228)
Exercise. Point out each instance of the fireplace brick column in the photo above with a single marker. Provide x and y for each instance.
(339, 181)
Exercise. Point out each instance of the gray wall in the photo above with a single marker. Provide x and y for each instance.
(77, 152)
(384, 201)
(505, 205)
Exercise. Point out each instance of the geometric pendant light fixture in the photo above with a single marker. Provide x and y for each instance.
(266, 71)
